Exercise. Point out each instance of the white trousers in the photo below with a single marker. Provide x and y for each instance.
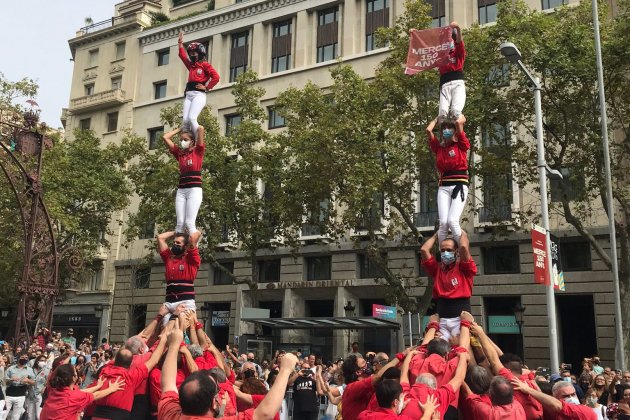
(171, 306)
(453, 98)
(449, 212)
(33, 407)
(187, 203)
(194, 102)
(15, 405)
(449, 327)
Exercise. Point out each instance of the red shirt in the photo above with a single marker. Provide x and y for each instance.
(381, 413)
(155, 385)
(465, 409)
(199, 72)
(169, 409)
(356, 397)
(457, 56)
(207, 361)
(445, 396)
(456, 282)
(453, 157)
(533, 409)
(65, 404)
(133, 376)
(180, 273)
(481, 410)
(443, 369)
(572, 412)
(190, 164)
(230, 407)
(140, 359)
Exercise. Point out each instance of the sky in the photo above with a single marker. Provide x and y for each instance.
(34, 44)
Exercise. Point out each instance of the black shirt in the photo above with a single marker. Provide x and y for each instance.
(305, 394)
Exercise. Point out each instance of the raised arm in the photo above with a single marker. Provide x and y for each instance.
(430, 128)
(488, 349)
(458, 37)
(190, 362)
(431, 330)
(182, 51)
(464, 247)
(272, 402)
(169, 368)
(157, 353)
(404, 370)
(460, 372)
(168, 138)
(241, 396)
(201, 136)
(425, 249)
(550, 403)
(377, 376)
(162, 238)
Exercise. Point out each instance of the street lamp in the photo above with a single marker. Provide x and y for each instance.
(205, 312)
(513, 55)
(518, 310)
(98, 310)
(349, 309)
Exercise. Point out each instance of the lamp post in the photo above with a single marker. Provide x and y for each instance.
(205, 313)
(512, 54)
(619, 347)
(349, 309)
(518, 310)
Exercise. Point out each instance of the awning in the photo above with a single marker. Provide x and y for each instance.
(330, 323)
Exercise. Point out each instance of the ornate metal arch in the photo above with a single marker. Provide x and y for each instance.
(21, 153)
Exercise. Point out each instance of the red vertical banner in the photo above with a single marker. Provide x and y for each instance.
(428, 48)
(541, 259)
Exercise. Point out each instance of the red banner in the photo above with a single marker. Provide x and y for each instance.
(541, 259)
(428, 49)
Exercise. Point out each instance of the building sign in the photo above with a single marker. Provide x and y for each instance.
(556, 264)
(541, 260)
(220, 318)
(384, 312)
(502, 324)
(308, 284)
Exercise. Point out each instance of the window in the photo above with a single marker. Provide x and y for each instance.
(318, 268)
(438, 13)
(275, 119)
(368, 269)
(377, 16)
(327, 34)
(93, 58)
(89, 89)
(497, 198)
(427, 204)
(239, 54)
(155, 135)
(142, 278)
(116, 83)
(120, 50)
(499, 75)
(501, 260)
(571, 186)
(487, 11)
(148, 229)
(575, 256)
(112, 121)
(281, 46)
(159, 89)
(551, 4)
(163, 57)
(231, 122)
(138, 319)
(84, 124)
(371, 218)
(316, 218)
(220, 277)
(269, 270)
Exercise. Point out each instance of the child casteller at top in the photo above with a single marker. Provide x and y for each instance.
(452, 88)
(201, 78)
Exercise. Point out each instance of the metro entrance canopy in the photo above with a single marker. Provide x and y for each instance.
(325, 322)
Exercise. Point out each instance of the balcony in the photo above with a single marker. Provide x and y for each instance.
(495, 214)
(313, 234)
(97, 101)
(425, 219)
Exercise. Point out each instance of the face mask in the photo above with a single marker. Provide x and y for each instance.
(448, 257)
(194, 58)
(591, 401)
(567, 379)
(185, 144)
(572, 400)
(452, 46)
(22, 361)
(448, 133)
(41, 364)
(177, 249)
(249, 374)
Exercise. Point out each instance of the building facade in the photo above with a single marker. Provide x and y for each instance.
(126, 69)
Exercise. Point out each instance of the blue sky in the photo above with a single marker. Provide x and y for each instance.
(35, 37)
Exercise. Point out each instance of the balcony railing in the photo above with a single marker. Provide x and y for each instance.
(425, 218)
(98, 100)
(140, 16)
(495, 214)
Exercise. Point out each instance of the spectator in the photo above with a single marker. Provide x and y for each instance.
(70, 340)
(355, 351)
(41, 369)
(380, 360)
(66, 401)
(591, 400)
(305, 401)
(618, 385)
(18, 378)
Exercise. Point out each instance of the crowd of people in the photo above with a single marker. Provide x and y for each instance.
(173, 371)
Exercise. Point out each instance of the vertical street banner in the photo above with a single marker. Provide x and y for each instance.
(428, 48)
(556, 264)
(541, 259)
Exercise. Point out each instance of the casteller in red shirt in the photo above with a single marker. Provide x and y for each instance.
(533, 408)
(571, 412)
(198, 72)
(356, 397)
(480, 409)
(381, 413)
(180, 273)
(452, 158)
(190, 163)
(452, 286)
(65, 403)
(169, 409)
(442, 368)
(445, 396)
